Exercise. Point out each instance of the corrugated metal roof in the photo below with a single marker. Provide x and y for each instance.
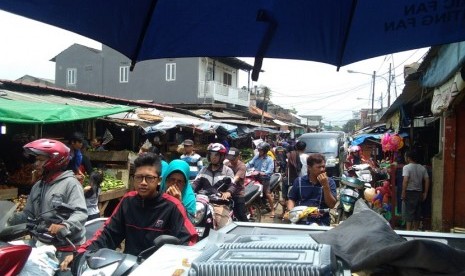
(49, 98)
(279, 122)
(235, 63)
(217, 114)
(257, 111)
(244, 122)
(39, 89)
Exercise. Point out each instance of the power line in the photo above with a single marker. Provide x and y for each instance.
(326, 97)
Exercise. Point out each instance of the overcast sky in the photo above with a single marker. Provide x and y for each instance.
(312, 88)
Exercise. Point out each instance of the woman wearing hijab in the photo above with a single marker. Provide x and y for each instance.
(176, 183)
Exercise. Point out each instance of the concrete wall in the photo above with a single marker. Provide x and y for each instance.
(88, 64)
(148, 79)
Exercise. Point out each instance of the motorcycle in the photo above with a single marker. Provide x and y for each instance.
(204, 219)
(204, 215)
(13, 257)
(352, 189)
(254, 178)
(253, 192)
(110, 262)
(299, 214)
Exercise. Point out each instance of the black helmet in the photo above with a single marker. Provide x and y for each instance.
(264, 146)
(300, 145)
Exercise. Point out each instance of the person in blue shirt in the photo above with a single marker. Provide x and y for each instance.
(315, 189)
(264, 165)
(193, 159)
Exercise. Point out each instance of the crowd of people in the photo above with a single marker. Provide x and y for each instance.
(164, 196)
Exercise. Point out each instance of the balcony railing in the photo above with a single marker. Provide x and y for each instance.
(223, 93)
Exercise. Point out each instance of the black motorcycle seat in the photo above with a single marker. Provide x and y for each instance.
(215, 199)
(251, 192)
(274, 181)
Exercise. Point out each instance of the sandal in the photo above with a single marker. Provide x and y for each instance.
(272, 216)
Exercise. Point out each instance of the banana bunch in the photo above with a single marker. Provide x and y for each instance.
(307, 212)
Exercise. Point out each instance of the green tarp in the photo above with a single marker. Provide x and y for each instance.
(22, 112)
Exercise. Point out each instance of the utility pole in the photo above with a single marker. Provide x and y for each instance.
(265, 92)
(389, 87)
(373, 99)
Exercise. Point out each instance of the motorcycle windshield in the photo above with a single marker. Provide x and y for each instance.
(350, 192)
(7, 208)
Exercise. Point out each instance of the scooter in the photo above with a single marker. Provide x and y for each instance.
(204, 211)
(110, 262)
(204, 215)
(14, 257)
(253, 192)
(254, 177)
(351, 190)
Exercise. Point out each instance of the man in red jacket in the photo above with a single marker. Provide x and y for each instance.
(142, 215)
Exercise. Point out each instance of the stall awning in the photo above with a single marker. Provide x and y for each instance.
(204, 126)
(23, 112)
(280, 123)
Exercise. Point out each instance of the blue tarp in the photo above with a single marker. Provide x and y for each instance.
(337, 32)
(448, 61)
(360, 139)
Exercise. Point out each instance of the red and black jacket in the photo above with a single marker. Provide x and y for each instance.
(140, 221)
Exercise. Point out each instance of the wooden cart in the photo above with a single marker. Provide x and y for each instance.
(105, 198)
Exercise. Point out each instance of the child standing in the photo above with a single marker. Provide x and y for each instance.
(91, 193)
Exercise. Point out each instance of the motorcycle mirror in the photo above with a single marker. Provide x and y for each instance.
(158, 243)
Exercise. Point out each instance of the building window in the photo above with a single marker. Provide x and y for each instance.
(71, 76)
(209, 76)
(123, 74)
(170, 71)
(227, 79)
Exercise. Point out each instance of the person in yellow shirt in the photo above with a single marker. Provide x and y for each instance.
(270, 153)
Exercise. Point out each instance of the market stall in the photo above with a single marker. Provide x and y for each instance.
(117, 181)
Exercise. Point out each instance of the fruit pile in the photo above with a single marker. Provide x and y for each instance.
(110, 182)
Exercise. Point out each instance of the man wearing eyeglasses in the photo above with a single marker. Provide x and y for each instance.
(142, 215)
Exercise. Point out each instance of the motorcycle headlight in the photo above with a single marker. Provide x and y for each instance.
(294, 216)
(347, 207)
(200, 210)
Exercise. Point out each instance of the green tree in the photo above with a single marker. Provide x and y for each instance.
(350, 126)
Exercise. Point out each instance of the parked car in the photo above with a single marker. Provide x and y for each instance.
(331, 145)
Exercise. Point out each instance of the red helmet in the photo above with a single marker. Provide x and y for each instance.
(217, 147)
(55, 150)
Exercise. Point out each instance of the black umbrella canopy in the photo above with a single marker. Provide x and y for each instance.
(337, 32)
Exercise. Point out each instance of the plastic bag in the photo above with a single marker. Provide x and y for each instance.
(41, 262)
